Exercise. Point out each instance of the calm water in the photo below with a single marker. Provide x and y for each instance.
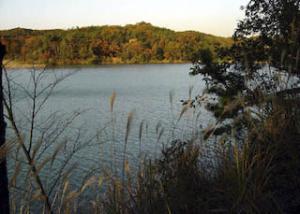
(142, 89)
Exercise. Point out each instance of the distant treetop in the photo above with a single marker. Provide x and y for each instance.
(137, 43)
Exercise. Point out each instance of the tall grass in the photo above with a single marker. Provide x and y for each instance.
(228, 174)
(240, 177)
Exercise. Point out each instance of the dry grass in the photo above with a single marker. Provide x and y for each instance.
(230, 175)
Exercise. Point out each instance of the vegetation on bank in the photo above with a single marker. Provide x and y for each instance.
(139, 43)
(251, 163)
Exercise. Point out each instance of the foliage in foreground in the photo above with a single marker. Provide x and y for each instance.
(254, 94)
(258, 175)
(252, 166)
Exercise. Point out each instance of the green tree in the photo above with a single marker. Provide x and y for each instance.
(158, 52)
(75, 46)
(269, 35)
(254, 100)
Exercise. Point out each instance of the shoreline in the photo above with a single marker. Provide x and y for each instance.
(17, 65)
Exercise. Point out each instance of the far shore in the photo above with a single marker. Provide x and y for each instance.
(11, 64)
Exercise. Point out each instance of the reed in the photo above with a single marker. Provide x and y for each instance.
(248, 170)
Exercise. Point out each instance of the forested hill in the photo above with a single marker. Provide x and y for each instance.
(139, 43)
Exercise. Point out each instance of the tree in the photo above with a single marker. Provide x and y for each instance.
(159, 53)
(254, 93)
(269, 35)
(102, 49)
(275, 24)
(75, 46)
(4, 194)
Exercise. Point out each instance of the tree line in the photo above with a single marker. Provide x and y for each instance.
(138, 43)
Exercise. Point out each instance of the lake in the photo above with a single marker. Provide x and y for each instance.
(151, 92)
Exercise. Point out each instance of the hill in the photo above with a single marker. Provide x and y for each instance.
(138, 43)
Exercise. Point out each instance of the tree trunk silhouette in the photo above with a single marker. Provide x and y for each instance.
(4, 194)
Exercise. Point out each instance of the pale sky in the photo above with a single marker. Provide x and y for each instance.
(217, 17)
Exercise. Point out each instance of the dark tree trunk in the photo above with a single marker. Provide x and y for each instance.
(4, 194)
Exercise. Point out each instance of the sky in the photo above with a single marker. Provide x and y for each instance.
(218, 17)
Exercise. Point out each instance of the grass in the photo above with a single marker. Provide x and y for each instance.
(256, 173)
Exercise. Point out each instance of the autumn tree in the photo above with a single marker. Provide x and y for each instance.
(83, 45)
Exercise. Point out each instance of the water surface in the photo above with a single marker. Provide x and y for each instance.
(142, 89)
